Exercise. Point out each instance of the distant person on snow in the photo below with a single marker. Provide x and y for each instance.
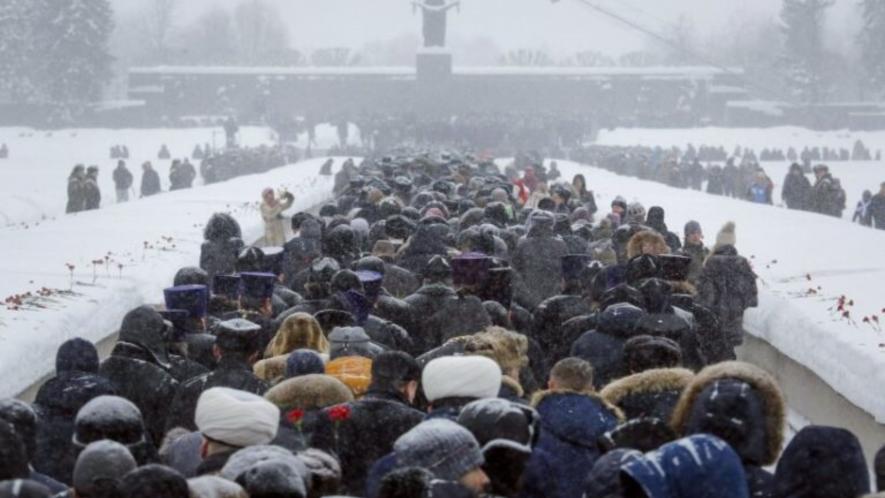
(797, 189)
(164, 153)
(877, 208)
(91, 192)
(181, 175)
(122, 181)
(862, 211)
(4, 151)
(150, 180)
(272, 213)
(75, 189)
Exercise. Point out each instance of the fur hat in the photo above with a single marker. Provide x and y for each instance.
(299, 330)
(236, 418)
(726, 236)
(774, 407)
(309, 392)
(508, 349)
(647, 242)
(461, 377)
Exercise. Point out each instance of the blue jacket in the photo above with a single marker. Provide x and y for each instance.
(571, 424)
(699, 466)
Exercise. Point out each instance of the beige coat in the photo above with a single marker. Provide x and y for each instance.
(274, 223)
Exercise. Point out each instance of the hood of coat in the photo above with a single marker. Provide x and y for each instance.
(575, 417)
(298, 331)
(650, 381)
(773, 406)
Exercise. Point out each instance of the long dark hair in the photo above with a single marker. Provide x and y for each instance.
(583, 189)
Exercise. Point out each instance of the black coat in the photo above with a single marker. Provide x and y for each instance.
(877, 211)
(376, 421)
(122, 178)
(91, 194)
(135, 376)
(76, 199)
(603, 347)
(727, 286)
(219, 257)
(547, 320)
(435, 305)
(229, 373)
(57, 404)
(796, 191)
(400, 282)
(150, 183)
(537, 259)
(299, 252)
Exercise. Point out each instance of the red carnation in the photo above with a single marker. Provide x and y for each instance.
(339, 413)
(295, 416)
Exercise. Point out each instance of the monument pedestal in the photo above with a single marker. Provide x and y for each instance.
(433, 65)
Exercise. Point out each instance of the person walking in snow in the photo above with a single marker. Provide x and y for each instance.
(91, 192)
(797, 189)
(862, 210)
(75, 189)
(272, 213)
(150, 180)
(877, 208)
(122, 181)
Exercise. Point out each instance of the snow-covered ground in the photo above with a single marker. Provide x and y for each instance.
(856, 176)
(33, 180)
(805, 262)
(94, 297)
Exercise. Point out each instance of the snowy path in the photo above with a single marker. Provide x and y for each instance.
(171, 225)
(805, 262)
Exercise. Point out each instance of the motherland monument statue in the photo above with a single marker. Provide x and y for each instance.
(435, 13)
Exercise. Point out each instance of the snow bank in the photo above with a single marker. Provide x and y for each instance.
(805, 263)
(171, 226)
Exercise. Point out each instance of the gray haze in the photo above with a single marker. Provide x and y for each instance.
(562, 28)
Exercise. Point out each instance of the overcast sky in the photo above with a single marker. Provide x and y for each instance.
(563, 28)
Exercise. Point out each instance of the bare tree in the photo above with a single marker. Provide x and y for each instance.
(157, 27)
(261, 34)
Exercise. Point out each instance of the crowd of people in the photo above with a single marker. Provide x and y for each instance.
(84, 193)
(741, 177)
(441, 329)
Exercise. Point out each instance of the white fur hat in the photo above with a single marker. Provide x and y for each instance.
(236, 418)
(462, 377)
(726, 236)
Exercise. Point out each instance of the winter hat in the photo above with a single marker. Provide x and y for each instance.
(822, 462)
(461, 377)
(441, 446)
(309, 392)
(508, 349)
(273, 479)
(23, 488)
(304, 362)
(500, 422)
(76, 355)
(689, 468)
(152, 481)
(645, 352)
(726, 236)
(604, 479)
(236, 418)
(246, 458)
(354, 371)
(24, 421)
(101, 465)
(635, 213)
(352, 341)
(298, 330)
(693, 227)
(13, 455)
(394, 366)
(215, 487)
(620, 202)
(406, 482)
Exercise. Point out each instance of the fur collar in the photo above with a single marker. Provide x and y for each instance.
(540, 396)
(650, 381)
(762, 381)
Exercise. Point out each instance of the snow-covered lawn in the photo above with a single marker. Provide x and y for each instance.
(170, 225)
(856, 176)
(805, 263)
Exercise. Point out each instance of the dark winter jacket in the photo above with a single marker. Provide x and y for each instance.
(652, 393)
(399, 282)
(700, 466)
(727, 286)
(827, 197)
(537, 259)
(434, 305)
(136, 376)
(374, 424)
(57, 404)
(150, 183)
(76, 200)
(122, 178)
(877, 211)
(423, 245)
(91, 194)
(796, 190)
(299, 252)
(571, 424)
(822, 462)
(742, 405)
(603, 346)
(547, 320)
(230, 372)
(218, 254)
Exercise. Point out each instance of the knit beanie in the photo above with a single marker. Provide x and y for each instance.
(726, 236)
(462, 377)
(103, 460)
(304, 362)
(441, 446)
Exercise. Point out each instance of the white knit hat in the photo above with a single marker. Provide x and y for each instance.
(462, 377)
(726, 236)
(236, 418)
